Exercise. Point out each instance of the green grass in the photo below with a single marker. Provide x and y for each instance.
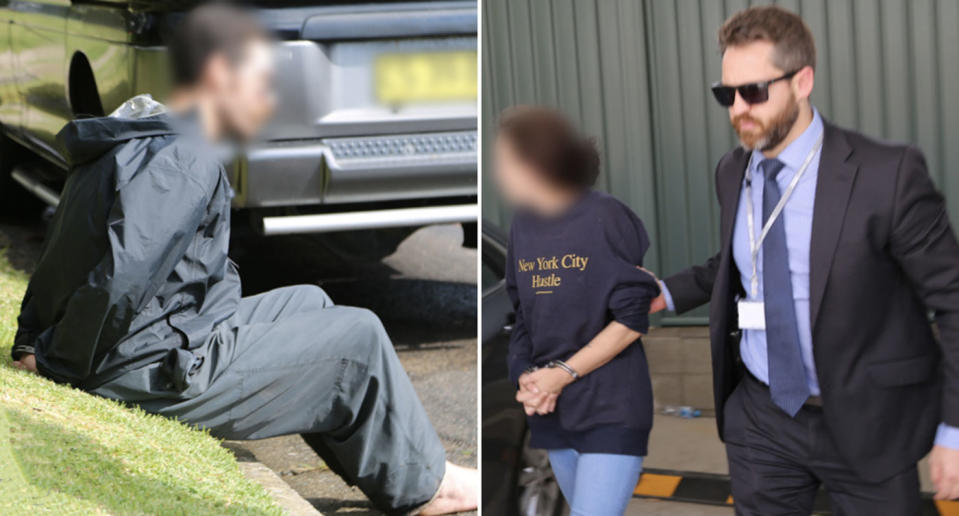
(63, 451)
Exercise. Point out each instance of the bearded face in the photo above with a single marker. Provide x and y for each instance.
(764, 134)
(766, 122)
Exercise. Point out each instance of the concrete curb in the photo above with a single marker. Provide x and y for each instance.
(286, 497)
(292, 503)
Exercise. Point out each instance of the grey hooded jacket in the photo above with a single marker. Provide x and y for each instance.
(134, 269)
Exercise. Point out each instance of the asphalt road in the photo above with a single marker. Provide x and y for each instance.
(425, 293)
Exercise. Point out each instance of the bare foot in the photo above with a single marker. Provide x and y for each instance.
(458, 492)
(27, 363)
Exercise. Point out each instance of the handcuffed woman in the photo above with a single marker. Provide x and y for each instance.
(581, 304)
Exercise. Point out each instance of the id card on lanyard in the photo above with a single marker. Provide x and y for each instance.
(752, 311)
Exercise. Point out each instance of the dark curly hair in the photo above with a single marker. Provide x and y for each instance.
(546, 140)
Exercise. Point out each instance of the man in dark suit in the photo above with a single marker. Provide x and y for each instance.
(835, 248)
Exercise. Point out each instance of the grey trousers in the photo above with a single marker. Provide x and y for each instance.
(289, 361)
(777, 463)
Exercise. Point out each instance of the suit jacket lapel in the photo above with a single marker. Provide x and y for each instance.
(837, 173)
(731, 185)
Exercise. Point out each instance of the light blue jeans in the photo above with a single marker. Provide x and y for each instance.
(596, 484)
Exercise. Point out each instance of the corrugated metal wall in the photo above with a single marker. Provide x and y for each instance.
(635, 74)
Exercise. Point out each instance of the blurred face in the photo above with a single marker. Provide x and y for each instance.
(519, 183)
(243, 92)
(763, 126)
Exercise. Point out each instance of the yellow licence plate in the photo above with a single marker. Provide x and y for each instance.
(425, 77)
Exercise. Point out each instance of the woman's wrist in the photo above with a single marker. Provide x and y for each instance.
(570, 373)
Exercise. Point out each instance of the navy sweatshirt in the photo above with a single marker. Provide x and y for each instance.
(569, 277)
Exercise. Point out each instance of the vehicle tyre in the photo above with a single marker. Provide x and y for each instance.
(539, 493)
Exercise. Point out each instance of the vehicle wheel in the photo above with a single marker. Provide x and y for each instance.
(539, 494)
(14, 199)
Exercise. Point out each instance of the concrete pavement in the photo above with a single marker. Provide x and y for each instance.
(648, 507)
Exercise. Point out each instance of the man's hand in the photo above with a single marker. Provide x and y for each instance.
(944, 472)
(659, 302)
(27, 363)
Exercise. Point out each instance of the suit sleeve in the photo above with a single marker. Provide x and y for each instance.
(925, 246)
(152, 221)
(520, 346)
(693, 287)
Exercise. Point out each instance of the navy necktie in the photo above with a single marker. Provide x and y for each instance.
(787, 377)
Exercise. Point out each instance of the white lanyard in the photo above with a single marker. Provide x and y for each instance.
(755, 245)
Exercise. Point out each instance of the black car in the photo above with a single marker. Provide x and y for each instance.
(517, 480)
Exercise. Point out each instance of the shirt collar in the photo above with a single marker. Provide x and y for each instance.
(795, 153)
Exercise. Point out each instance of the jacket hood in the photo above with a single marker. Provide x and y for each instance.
(84, 140)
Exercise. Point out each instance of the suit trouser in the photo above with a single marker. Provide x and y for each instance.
(290, 362)
(777, 463)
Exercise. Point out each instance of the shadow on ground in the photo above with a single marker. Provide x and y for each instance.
(416, 310)
(22, 240)
(351, 507)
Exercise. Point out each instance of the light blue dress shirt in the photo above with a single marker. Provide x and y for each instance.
(797, 217)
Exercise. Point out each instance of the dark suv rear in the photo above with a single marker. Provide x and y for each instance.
(376, 126)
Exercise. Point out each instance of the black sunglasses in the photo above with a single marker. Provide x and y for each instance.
(753, 93)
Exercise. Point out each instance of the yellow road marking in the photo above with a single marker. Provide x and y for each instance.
(947, 508)
(651, 484)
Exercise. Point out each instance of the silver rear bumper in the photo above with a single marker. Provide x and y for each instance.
(373, 219)
(357, 170)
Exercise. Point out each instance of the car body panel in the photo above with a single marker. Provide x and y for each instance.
(346, 105)
(327, 86)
